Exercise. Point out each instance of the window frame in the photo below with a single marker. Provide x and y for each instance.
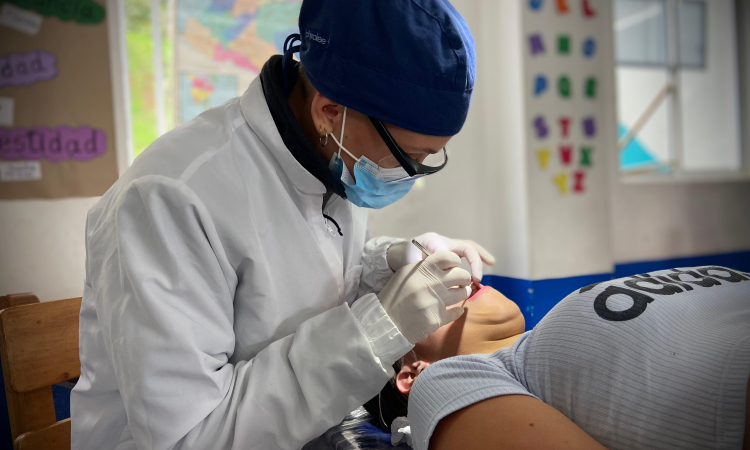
(673, 68)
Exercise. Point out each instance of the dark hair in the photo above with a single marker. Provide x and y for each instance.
(389, 403)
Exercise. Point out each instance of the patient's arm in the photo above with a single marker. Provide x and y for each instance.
(512, 422)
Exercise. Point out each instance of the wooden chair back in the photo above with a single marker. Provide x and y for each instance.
(38, 348)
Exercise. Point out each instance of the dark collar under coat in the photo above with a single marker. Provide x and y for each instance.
(272, 79)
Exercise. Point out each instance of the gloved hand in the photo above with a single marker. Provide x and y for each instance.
(403, 253)
(417, 295)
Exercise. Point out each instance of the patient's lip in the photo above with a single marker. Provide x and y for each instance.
(475, 294)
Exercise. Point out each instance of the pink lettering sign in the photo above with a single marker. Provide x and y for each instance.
(24, 69)
(57, 144)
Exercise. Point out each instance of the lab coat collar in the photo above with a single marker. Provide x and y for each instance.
(257, 115)
(267, 112)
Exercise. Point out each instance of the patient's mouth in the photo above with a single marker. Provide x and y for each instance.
(476, 290)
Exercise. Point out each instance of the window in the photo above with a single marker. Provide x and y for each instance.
(149, 73)
(186, 56)
(677, 86)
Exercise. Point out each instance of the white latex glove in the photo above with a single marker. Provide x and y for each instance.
(403, 253)
(417, 295)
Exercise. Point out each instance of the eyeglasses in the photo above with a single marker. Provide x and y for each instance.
(433, 163)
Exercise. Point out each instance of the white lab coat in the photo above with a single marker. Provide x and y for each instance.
(216, 311)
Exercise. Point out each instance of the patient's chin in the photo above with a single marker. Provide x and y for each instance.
(490, 307)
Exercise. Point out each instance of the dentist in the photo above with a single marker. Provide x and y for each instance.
(233, 298)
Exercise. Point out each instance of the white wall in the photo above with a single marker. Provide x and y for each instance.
(42, 244)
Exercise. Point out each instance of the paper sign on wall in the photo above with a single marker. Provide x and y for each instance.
(20, 171)
(7, 110)
(57, 127)
(80, 11)
(19, 19)
(25, 69)
(58, 144)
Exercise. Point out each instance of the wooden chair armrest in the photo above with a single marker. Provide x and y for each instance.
(52, 437)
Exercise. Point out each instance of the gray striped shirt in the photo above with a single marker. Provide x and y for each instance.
(654, 361)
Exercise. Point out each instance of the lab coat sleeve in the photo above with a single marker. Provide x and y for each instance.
(166, 314)
(386, 341)
(375, 270)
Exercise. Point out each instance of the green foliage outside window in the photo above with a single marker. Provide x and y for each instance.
(140, 51)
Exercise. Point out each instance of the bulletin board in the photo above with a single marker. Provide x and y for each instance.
(57, 125)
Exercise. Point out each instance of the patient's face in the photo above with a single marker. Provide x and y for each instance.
(489, 317)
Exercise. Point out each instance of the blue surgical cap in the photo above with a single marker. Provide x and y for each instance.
(409, 63)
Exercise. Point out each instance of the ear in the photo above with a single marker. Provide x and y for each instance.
(408, 373)
(325, 113)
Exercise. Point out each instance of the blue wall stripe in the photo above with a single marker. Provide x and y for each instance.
(739, 261)
(537, 297)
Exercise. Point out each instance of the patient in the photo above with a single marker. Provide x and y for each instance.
(658, 360)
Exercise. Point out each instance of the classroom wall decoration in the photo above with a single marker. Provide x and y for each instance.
(221, 46)
(565, 136)
(56, 111)
(561, 98)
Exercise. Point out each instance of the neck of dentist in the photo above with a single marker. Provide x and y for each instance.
(301, 106)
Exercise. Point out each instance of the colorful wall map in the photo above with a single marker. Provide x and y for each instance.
(227, 38)
(199, 92)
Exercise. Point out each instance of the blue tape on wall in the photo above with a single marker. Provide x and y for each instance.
(537, 297)
(738, 261)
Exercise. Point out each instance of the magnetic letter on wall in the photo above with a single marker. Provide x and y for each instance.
(561, 180)
(566, 154)
(590, 87)
(586, 156)
(563, 86)
(540, 125)
(589, 127)
(537, 44)
(588, 11)
(540, 85)
(536, 5)
(543, 157)
(589, 47)
(562, 6)
(564, 126)
(563, 44)
(578, 184)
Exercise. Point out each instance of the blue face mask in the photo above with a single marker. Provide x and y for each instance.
(372, 186)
